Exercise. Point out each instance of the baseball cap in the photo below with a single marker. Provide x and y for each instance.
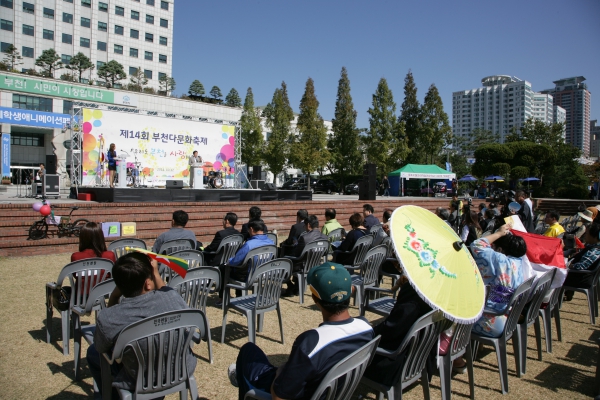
(330, 282)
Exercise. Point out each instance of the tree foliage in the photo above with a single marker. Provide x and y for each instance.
(196, 88)
(410, 114)
(435, 129)
(12, 58)
(112, 72)
(80, 63)
(166, 84)
(479, 137)
(279, 115)
(309, 149)
(49, 61)
(344, 143)
(215, 92)
(137, 80)
(538, 132)
(251, 132)
(233, 98)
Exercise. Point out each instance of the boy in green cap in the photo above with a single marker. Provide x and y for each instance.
(315, 351)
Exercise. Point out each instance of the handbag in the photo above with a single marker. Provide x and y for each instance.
(61, 298)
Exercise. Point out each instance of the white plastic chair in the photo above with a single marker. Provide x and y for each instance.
(311, 256)
(359, 250)
(460, 345)
(368, 275)
(119, 247)
(227, 249)
(176, 245)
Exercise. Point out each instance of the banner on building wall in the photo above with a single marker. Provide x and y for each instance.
(162, 146)
(6, 154)
(69, 91)
(40, 119)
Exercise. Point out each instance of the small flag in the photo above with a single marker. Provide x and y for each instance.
(178, 265)
(544, 253)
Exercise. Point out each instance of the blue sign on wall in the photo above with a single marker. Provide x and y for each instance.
(40, 119)
(6, 154)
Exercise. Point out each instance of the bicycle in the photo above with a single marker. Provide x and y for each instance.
(39, 229)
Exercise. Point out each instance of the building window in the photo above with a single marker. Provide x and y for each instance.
(6, 25)
(102, 7)
(69, 1)
(4, 47)
(149, 36)
(101, 46)
(6, 3)
(162, 58)
(65, 59)
(119, 11)
(48, 13)
(24, 102)
(119, 30)
(28, 8)
(67, 105)
(84, 42)
(164, 23)
(48, 34)
(27, 139)
(68, 18)
(118, 49)
(148, 74)
(99, 64)
(134, 34)
(161, 75)
(135, 15)
(86, 3)
(164, 5)
(66, 38)
(28, 30)
(27, 52)
(149, 19)
(150, 2)
(163, 40)
(132, 70)
(148, 55)
(133, 52)
(102, 26)
(85, 22)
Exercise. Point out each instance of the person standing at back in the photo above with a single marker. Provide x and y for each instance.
(177, 231)
(525, 211)
(386, 186)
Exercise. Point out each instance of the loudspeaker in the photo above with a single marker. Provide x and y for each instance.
(256, 172)
(51, 164)
(173, 184)
(367, 189)
(269, 186)
(257, 184)
(51, 186)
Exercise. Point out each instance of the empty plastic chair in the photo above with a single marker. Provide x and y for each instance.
(552, 309)
(176, 245)
(311, 256)
(589, 289)
(368, 275)
(194, 259)
(119, 247)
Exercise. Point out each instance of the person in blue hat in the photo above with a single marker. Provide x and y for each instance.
(315, 351)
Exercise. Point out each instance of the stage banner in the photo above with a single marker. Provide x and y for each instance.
(162, 146)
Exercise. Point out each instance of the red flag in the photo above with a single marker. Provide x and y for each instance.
(543, 253)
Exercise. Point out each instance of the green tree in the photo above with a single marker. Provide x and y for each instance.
(251, 132)
(309, 149)
(435, 129)
(233, 99)
(137, 80)
(215, 92)
(278, 115)
(12, 58)
(343, 144)
(166, 84)
(479, 137)
(112, 72)
(538, 132)
(382, 143)
(80, 63)
(196, 88)
(410, 114)
(49, 61)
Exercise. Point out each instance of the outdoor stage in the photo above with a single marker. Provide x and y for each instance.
(157, 195)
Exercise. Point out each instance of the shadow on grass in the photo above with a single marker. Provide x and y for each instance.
(55, 334)
(67, 369)
(560, 376)
(581, 354)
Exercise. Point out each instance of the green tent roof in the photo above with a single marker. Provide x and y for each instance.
(418, 171)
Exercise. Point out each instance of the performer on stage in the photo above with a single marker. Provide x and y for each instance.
(112, 164)
(41, 173)
(195, 159)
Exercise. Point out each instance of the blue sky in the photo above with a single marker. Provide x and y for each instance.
(452, 44)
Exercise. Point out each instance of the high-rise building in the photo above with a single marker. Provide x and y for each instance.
(594, 138)
(543, 109)
(136, 33)
(572, 95)
(502, 103)
(560, 117)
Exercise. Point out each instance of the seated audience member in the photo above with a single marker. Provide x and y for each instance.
(358, 231)
(177, 231)
(493, 206)
(229, 222)
(370, 219)
(145, 295)
(331, 223)
(453, 215)
(443, 214)
(387, 215)
(470, 230)
(295, 231)
(554, 229)
(482, 207)
(254, 214)
(524, 212)
(315, 351)
(92, 244)
(586, 218)
(586, 259)
(498, 257)
(488, 223)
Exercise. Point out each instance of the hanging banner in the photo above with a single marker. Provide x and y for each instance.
(5, 154)
(161, 146)
(40, 119)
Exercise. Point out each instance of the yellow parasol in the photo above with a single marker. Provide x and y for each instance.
(437, 264)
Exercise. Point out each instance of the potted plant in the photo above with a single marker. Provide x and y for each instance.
(6, 180)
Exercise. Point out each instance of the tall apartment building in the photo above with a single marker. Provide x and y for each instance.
(572, 95)
(560, 117)
(543, 109)
(594, 138)
(136, 33)
(502, 103)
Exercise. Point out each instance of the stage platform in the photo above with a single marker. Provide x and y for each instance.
(158, 195)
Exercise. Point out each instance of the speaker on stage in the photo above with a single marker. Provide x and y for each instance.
(257, 184)
(269, 186)
(256, 173)
(51, 186)
(174, 184)
(50, 164)
(367, 189)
